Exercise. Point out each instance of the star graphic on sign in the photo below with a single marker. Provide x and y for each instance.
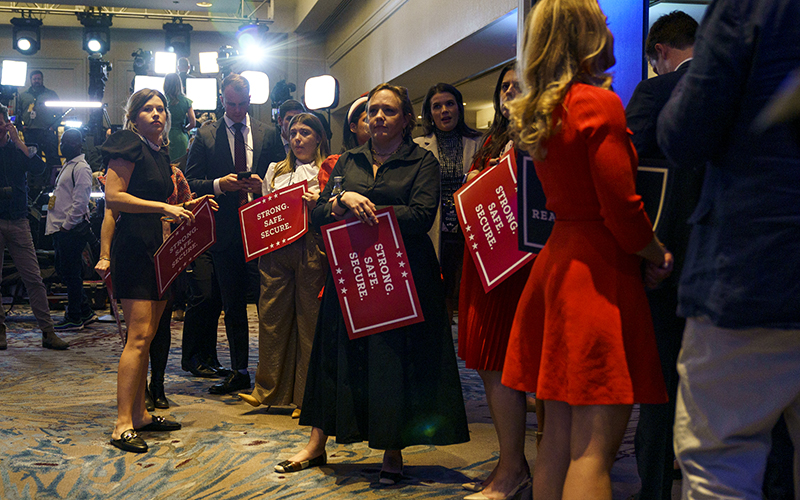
(471, 237)
(404, 274)
(338, 270)
(284, 240)
(402, 264)
(344, 291)
(468, 228)
(272, 245)
(399, 254)
(474, 246)
(341, 281)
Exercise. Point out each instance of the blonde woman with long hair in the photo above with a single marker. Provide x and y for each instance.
(582, 337)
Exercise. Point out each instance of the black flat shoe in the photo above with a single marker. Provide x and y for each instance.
(130, 441)
(234, 382)
(390, 478)
(160, 424)
(289, 466)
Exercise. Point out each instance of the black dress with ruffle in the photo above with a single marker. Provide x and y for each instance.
(138, 236)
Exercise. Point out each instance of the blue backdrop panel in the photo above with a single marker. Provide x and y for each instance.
(627, 20)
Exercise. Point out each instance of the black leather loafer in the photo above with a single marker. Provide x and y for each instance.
(160, 424)
(234, 382)
(130, 441)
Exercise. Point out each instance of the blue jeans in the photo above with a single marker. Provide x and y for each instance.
(69, 246)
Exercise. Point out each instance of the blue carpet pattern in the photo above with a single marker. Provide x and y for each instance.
(57, 410)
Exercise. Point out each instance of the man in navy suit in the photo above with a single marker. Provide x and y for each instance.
(669, 48)
(223, 161)
(740, 288)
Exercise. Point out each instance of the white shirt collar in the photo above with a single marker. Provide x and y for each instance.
(229, 123)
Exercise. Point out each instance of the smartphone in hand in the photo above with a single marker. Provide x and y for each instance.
(243, 175)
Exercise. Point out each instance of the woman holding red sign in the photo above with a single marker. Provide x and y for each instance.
(400, 387)
(582, 336)
(484, 324)
(291, 278)
(138, 183)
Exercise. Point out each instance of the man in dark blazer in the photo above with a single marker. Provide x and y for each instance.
(669, 48)
(740, 286)
(221, 157)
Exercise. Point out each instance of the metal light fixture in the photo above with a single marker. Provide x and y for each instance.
(27, 38)
(177, 38)
(96, 32)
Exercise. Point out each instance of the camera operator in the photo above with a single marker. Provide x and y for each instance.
(16, 159)
(38, 120)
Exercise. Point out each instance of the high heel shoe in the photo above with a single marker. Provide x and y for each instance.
(475, 486)
(523, 491)
(247, 398)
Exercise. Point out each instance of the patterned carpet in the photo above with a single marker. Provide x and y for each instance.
(57, 410)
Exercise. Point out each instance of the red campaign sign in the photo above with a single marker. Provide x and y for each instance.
(274, 221)
(372, 275)
(487, 212)
(185, 244)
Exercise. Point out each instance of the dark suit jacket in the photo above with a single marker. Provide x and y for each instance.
(210, 157)
(646, 103)
(683, 185)
(741, 266)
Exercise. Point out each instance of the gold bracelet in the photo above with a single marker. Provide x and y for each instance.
(104, 258)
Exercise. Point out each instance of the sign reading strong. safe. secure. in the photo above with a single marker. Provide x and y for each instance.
(372, 275)
(274, 221)
(487, 213)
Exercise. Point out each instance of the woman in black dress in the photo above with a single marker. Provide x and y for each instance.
(400, 387)
(137, 186)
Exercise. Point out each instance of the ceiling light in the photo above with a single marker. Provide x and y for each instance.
(27, 38)
(177, 38)
(204, 4)
(96, 32)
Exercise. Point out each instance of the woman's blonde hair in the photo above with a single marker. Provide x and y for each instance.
(135, 104)
(323, 150)
(566, 41)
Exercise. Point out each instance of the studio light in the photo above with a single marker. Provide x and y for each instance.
(322, 92)
(252, 41)
(13, 73)
(202, 92)
(165, 62)
(96, 32)
(73, 104)
(259, 86)
(178, 37)
(27, 39)
(208, 62)
(73, 124)
(148, 82)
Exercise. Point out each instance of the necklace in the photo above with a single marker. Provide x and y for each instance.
(375, 155)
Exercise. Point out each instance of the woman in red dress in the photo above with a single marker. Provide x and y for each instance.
(582, 337)
(484, 324)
